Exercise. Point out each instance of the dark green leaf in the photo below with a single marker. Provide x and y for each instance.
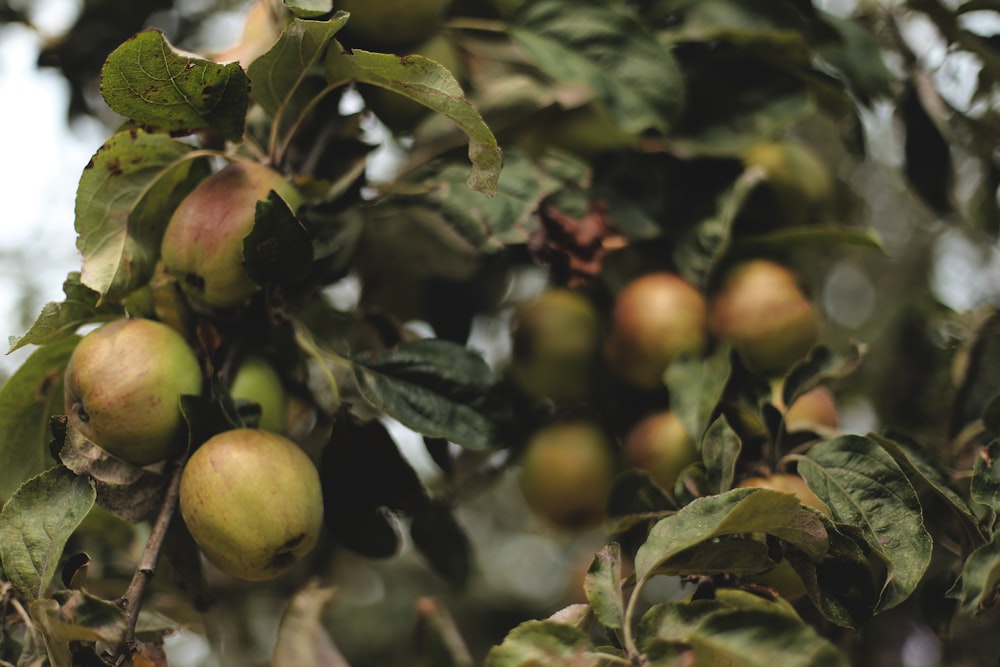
(148, 81)
(858, 57)
(720, 450)
(60, 319)
(432, 386)
(978, 588)
(603, 586)
(431, 84)
(844, 590)
(36, 522)
(442, 541)
(864, 486)
(123, 203)
(27, 400)
(927, 152)
(696, 385)
(821, 365)
(278, 250)
(635, 498)
(732, 513)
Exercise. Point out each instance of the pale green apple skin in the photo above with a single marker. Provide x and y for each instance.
(203, 243)
(256, 380)
(660, 444)
(252, 501)
(123, 387)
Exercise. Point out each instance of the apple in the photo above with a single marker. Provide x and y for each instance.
(203, 242)
(787, 483)
(252, 501)
(566, 473)
(800, 182)
(660, 444)
(816, 407)
(555, 340)
(585, 131)
(123, 385)
(256, 380)
(761, 311)
(655, 318)
(391, 25)
(399, 113)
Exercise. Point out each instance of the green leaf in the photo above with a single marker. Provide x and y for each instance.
(302, 637)
(432, 386)
(27, 400)
(845, 590)
(978, 587)
(634, 499)
(604, 47)
(77, 616)
(150, 82)
(821, 365)
(511, 216)
(431, 84)
(864, 487)
(720, 450)
(60, 319)
(733, 513)
(985, 487)
(36, 522)
(123, 203)
(788, 240)
(603, 586)
(277, 75)
(308, 9)
(696, 385)
(277, 251)
(544, 643)
(443, 542)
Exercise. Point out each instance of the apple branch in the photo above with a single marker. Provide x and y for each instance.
(132, 600)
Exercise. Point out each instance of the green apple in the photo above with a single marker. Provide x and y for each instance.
(567, 470)
(252, 501)
(556, 343)
(391, 25)
(256, 380)
(203, 243)
(660, 444)
(800, 182)
(761, 311)
(123, 386)
(655, 318)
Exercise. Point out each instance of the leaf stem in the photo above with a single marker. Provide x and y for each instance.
(627, 635)
(132, 600)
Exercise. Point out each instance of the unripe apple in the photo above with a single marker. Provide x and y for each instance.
(391, 25)
(252, 501)
(660, 444)
(567, 470)
(800, 182)
(399, 113)
(123, 387)
(815, 407)
(585, 131)
(656, 317)
(203, 243)
(555, 344)
(763, 313)
(256, 380)
(787, 483)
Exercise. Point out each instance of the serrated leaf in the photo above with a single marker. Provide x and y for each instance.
(603, 586)
(150, 82)
(544, 643)
(985, 486)
(757, 638)
(302, 638)
(607, 49)
(443, 542)
(27, 400)
(277, 251)
(978, 587)
(36, 522)
(864, 486)
(733, 513)
(431, 84)
(432, 386)
(124, 200)
(278, 74)
(60, 319)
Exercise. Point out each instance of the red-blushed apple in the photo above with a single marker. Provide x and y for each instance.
(252, 501)
(816, 407)
(203, 243)
(655, 318)
(123, 386)
(761, 311)
(660, 444)
(567, 470)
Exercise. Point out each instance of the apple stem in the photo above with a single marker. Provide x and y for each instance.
(146, 569)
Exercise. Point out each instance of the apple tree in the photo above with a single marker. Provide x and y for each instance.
(388, 289)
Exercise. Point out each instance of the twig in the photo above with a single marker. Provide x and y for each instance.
(132, 600)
